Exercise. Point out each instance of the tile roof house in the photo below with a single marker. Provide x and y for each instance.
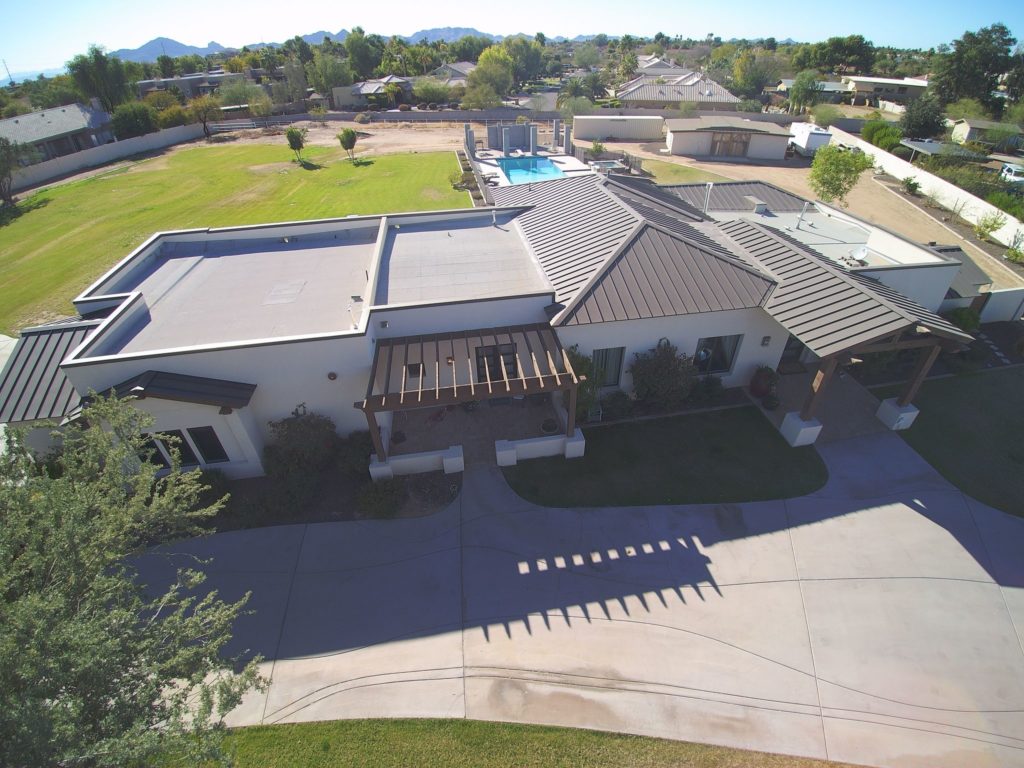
(388, 322)
(59, 131)
(670, 90)
(368, 91)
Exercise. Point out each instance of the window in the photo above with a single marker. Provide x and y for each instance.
(414, 370)
(188, 456)
(608, 365)
(208, 444)
(716, 354)
(152, 453)
(489, 358)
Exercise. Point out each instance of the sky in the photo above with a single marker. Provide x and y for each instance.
(67, 27)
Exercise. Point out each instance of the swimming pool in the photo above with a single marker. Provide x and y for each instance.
(522, 170)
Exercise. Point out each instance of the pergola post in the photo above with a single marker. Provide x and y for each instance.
(818, 386)
(925, 361)
(378, 444)
(570, 419)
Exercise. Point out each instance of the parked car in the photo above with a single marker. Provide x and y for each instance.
(1012, 173)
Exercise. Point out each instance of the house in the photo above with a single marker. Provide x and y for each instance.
(656, 66)
(983, 131)
(830, 92)
(190, 86)
(390, 322)
(59, 131)
(726, 137)
(371, 92)
(660, 92)
(454, 73)
(869, 90)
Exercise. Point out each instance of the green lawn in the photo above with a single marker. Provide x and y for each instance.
(458, 743)
(674, 173)
(69, 235)
(732, 455)
(971, 429)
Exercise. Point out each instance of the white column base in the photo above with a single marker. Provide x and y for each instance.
(505, 453)
(798, 431)
(380, 470)
(575, 445)
(453, 460)
(895, 416)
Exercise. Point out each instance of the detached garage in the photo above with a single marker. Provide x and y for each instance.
(601, 128)
(726, 137)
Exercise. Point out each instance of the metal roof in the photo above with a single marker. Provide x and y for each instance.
(732, 196)
(51, 123)
(186, 389)
(638, 190)
(985, 125)
(573, 227)
(32, 384)
(928, 147)
(827, 308)
(713, 123)
(660, 274)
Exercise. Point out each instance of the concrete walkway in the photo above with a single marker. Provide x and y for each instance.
(876, 621)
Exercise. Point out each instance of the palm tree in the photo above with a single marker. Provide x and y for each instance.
(594, 85)
(393, 91)
(573, 89)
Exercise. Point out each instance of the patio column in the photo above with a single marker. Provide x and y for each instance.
(570, 419)
(378, 444)
(556, 130)
(506, 140)
(924, 365)
(821, 380)
(567, 143)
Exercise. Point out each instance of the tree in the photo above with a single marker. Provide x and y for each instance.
(133, 119)
(573, 88)
(923, 118)
(260, 105)
(526, 56)
(298, 48)
(966, 107)
(11, 155)
(594, 85)
(805, 91)
(481, 96)
(118, 674)
(430, 90)
(495, 68)
(360, 53)
(628, 65)
(753, 70)
(825, 115)
(166, 65)
(205, 110)
(326, 72)
(579, 105)
(393, 92)
(160, 100)
(239, 92)
(295, 79)
(835, 171)
(972, 69)
(587, 56)
(99, 75)
(348, 138)
(296, 141)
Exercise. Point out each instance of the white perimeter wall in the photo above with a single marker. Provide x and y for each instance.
(631, 128)
(765, 147)
(90, 158)
(685, 332)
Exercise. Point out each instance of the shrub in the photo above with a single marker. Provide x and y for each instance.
(404, 107)
(302, 446)
(354, 453)
(965, 318)
(173, 116)
(134, 119)
(662, 377)
(383, 499)
(432, 105)
(616, 405)
(825, 115)
(596, 149)
(363, 118)
(888, 138)
(1016, 255)
(708, 390)
(217, 486)
(988, 224)
(903, 153)
(749, 105)
(910, 186)
(422, 105)
(589, 389)
(1012, 204)
(763, 381)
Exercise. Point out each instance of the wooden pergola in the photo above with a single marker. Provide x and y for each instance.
(444, 369)
(929, 344)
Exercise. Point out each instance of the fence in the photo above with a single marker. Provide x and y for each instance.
(90, 158)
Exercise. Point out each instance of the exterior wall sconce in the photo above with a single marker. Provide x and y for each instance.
(332, 376)
(766, 340)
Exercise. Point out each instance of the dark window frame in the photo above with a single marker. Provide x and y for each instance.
(717, 349)
(203, 446)
(605, 368)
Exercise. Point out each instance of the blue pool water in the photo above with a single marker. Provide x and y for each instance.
(522, 170)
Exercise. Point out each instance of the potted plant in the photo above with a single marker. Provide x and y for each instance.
(764, 380)
(771, 401)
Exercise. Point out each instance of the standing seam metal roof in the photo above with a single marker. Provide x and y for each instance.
(32, 385)
(731, 196)
(828, 309)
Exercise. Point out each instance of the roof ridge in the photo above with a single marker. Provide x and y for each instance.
(723, 257)
(644, 194)
(600, 271)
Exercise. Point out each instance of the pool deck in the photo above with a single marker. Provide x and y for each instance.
(487, 163)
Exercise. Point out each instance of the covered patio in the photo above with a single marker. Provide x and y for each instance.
(418, 383)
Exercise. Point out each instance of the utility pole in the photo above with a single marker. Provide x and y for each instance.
(8, 72)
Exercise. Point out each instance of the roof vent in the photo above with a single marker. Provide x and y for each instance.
(759, 206)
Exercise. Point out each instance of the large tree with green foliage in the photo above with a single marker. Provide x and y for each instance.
(325, 72)
(133, 119)
(753, 70)
(347, 138)
(296, 138)
(97, 74)
(11, 155)
(805, 91)
(972, 69)
(495, 68)
(527, 57)
(835, 171)
(96, 668)
(923, 118)
(361, 54)
(205, 109)
(586, 56)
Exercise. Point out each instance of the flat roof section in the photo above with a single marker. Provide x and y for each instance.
(456, 260)
(241, 290)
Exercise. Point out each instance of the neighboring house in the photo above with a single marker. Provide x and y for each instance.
(386, 322)
(59, 131)
(655, 66)
(659, 92)
(830, 92)
(977, 130)
(198, 84)
(371, 92)
(869, 90)
(454, 73)
(710, 136)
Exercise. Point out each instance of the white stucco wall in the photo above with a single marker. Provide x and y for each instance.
(588, 127)
(685, 331)
(698, 144)
(927, 285)
(766, 147)
(682, 143)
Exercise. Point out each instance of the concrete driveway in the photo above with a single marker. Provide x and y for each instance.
(877, 621)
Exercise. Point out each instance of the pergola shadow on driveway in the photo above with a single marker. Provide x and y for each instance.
(876, 621)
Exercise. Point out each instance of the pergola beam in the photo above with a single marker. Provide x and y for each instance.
(924, 365)
(818, 386)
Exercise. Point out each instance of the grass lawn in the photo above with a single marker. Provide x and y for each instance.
(69, 235)
(674, 173)
(970, 429)
(456, 743)
(732, 455)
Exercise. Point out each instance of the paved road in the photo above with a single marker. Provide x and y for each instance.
(877, 621)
